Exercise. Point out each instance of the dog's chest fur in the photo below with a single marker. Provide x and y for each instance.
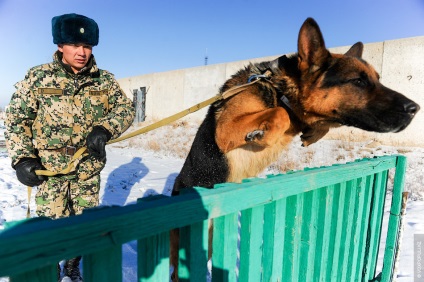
(249, 161)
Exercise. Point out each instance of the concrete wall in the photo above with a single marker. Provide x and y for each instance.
(400, 64)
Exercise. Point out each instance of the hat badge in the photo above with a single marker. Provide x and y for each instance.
(82, 30)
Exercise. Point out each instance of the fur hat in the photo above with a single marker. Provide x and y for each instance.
(73, 28)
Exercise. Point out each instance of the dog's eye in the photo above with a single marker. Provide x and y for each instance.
(359, 82)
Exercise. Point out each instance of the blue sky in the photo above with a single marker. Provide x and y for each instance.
(146, 36)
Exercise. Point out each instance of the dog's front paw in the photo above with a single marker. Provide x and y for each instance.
(254, 135)
(311, 135)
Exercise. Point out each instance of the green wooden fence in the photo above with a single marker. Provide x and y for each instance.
(319, 224)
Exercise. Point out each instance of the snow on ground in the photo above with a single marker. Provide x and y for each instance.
(146, 165)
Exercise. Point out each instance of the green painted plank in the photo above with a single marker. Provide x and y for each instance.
(364, 220)
(353, 242)
(349, 221)
(326, 233)
(333, 227)
(193, 254)
(153, 258)
(340, 230)
(153, 253)
(269, 239)
(251, 238)
(304, 243)
(308, 235)
(274, 225)
(371, 240)
(43, 274)
(318, 257)
(376, 218)
(292, 238)
(297, 238)
(359, 217)
(105, 265)
(288, 256)
(312, 236)
(394, 220)
(224, 255)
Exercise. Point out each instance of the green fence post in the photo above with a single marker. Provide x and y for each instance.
(224, 255)
(105, 265)
(394, 220)
(153, 258)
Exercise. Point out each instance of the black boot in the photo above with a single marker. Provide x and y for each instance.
(71, 269)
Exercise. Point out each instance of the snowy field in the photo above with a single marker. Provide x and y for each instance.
(148, 164)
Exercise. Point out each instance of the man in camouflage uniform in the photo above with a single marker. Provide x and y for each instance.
(58, 108)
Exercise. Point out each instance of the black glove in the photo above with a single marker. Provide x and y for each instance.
(25, 171)
(96, 142)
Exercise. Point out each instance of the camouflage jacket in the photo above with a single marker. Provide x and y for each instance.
(53, 108)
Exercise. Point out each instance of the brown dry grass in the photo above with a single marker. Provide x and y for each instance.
(174, 139)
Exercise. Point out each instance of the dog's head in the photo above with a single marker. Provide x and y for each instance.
(344, 89)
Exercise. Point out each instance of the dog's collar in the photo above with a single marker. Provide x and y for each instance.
(286, 101)
(266, 75)
(257, 77)
(252, 79)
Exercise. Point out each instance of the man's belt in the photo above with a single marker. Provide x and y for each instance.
(67, 151)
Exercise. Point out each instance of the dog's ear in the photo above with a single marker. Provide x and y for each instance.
(311, 47)
(356, 50)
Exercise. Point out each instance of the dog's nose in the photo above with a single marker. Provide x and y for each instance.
(411, 107)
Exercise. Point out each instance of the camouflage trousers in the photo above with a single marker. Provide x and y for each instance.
(67, 195)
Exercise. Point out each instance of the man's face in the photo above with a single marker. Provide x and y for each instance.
(75, 55)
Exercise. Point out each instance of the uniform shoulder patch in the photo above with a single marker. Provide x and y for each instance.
(50, 91)
(98, 92)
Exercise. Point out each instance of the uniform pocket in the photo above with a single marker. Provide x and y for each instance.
(52, 126)
(96, 104)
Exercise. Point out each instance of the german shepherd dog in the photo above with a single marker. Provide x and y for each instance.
(306, 93)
